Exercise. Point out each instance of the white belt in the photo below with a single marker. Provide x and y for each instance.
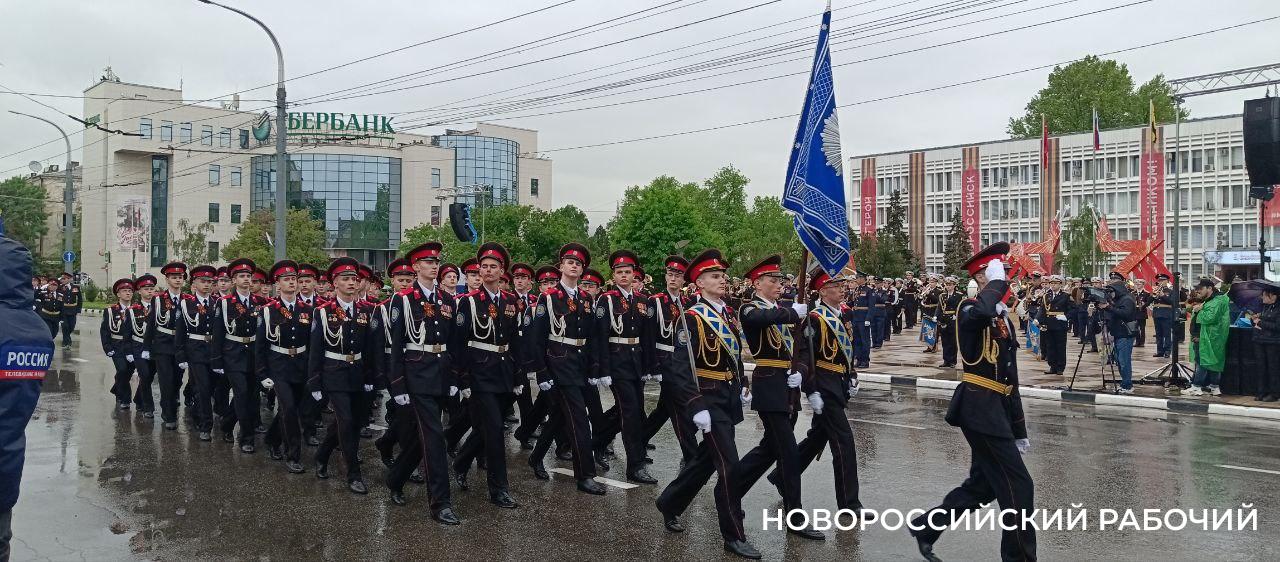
(198, 337)
(429, 348)
(488, 346)
(115, 337)
(290, 351)
(164, 330)
(567, 341)
(386, 350)
(239, 339)
(625, 341)
(664, 347)
(349, 358)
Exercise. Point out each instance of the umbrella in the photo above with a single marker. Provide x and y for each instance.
(1248, 294)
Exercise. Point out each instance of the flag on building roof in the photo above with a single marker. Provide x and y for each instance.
(1152, 130)
(1044, 142)
(1097, 132)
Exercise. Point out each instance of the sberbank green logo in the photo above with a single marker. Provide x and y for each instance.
(262, 127)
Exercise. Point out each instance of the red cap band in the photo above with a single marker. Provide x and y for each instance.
(343, 269)
(762, 270)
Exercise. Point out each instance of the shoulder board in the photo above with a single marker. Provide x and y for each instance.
(408, 291)
(612, 293)
(664, 297)
(225, 298)
(507, 294)
(137, 307)
(115, 306)
(388, 301)
(188, 297)
(469, 294)
(844, 307)
(365, 304)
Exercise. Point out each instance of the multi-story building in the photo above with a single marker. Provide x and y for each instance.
(183, 164)
(54, 181)
(1015, 201)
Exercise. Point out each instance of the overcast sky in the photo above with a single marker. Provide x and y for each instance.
(61, 47)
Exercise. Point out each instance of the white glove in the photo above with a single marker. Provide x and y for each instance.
(746, 397)
(518, 390)
(995, 271)
(146, 355)
(853, 388)
(220, 371)
(867, 323)
(794, 379)
(800, 308)
(702, 419)
(815, 402)
(646, 378)
(606, 381)
(1061, 317)
(593, 382)
(268, 384)
(453, 391)
(111, 354)
(316, 395)
(466, 393)
(532, 376)
(1001, 308)
(401, 399)
(657, 378)
(182, 366)
(545, 386)
(368, 388)
(1024, 445)
(129, 358)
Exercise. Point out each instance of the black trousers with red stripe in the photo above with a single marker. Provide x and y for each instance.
(570, 416)
(626, 418)
(777, 445)
(424, 447)
(716, 454)
(343, 432)
(832, 427)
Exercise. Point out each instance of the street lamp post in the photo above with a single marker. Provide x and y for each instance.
(282, 160)
(68, 196)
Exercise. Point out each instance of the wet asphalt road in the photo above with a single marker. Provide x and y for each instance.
(107, 485)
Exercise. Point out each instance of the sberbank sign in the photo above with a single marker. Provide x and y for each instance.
(346, 123)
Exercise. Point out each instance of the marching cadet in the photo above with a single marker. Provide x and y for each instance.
(422, 378)
(1054, 306)
(591, 283)
(825, 359)
(522, 285)
(486, 323)
(911, 297)
(235, 322)
(49, 303)
(929, 303)
(402, 275)
(281, 362)
(448, 280)
(1143, 300)
(341, 367)
(222, 283)
(863, 305)
(310, 283)
(144, 397)
(471, 269)
(988, 410)
(115, 333)
(774, 388)
(72, 303)
(362, 407)
(194, 350)
(948, 304)
(308, 276)
(709, 373)
(561, 328)
(548, 277)
(1162, 314)
(259, 280)
(620, 316)
(166, 347)
(667, 307)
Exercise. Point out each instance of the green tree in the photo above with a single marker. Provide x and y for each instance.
(867, 255)
(726, 200)
(190, 243)
(598, 243)
(892, 242)
(1074, 90)
(653, 218)
(306, 239)
(765, 230)
(22, 205)
(1080, 250)
(957, 248)
(530, 235)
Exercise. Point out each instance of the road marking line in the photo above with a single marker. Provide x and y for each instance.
(79, 360)
(600, 479)
(1245, 468)
(889, 424)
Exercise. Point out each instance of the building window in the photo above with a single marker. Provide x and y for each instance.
(215, 174)
(1237, 158)
(533, 187)
(435, 215)
(435, 177)
(213, 252)
(166, 131)
(206, 135)
(214, 213)
(235, 214)
(244, 138)
(159, 210)
(235, 176)
(224, 138)
(184, 132)
(144, 128)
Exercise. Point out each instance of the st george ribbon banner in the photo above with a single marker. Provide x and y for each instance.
(1151, 189)
(814, 191)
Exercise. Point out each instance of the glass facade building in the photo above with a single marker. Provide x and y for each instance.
(159, 210)
(487, 161)
(357, 197)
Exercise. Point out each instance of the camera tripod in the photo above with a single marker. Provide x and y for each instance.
(1108, 351)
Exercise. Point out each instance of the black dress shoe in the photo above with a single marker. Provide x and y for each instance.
(672, 524)
(590, 486)
(260, 429)
(313, 441)
(647, 460)
(461, 480)
(322, 471)
(539, 470)
(275, 453)
(926, 549)
(642, 476)
(385, 455)
(650, 446)
(149, 415)
(204, 436)
(416, 477)
(365, 432)
(228, 437)
(503, 500)
(743, 549)
(294, 467)
(601, 462)
(1270, 398)
(807, 534)
(247, 448)
(446, 517)
(123, 405)
(397, 497)
(358, 487)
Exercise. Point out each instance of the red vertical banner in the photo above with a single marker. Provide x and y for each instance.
(1151, 191)
(1271, 211)
(971, 197)
(868, 197)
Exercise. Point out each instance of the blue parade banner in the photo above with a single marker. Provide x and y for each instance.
(929, 331)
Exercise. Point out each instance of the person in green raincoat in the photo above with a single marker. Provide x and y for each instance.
(1213, 316)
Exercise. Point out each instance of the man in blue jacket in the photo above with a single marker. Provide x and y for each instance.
(26, 349)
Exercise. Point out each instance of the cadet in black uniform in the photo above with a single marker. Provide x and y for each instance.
(911, 289)
(115, 333)
(281, 362)
(1142, 300)
(72, 303)
(422, 377)
(709, 380)
(235, 323)
(340, 367)
(949, 302)
(194, 319)
(775, 388)
(562, 326)
(667, 307)
(1162, 315)
(49, 304)
(165, 347)
(930, 303)
(618, 350)
(1053, 307)
(548, 277)
(987, 408)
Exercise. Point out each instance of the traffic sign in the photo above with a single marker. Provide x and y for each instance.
(68, 257)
